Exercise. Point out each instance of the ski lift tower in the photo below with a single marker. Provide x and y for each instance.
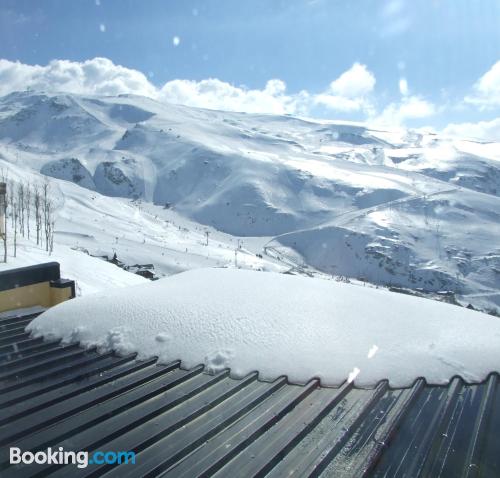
(3, 206)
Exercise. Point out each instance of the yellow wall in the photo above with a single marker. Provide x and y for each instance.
(58, 295)
(31, 295)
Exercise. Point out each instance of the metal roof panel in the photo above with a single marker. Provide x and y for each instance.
(187, 423)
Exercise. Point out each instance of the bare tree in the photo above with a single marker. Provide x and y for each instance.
(51, 236)
(21, 206)
(4, 236)
(48, 217)
(15, 213)
(3, 212)
(28, 207)
(24, 202)
(21, 202)
(37, 203)
(11, 201)
(46, 212)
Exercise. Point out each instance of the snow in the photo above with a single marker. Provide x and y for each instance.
(283, 325)
(395, 207)
(448, 241)
(139, 232)
(37, 309)
(90, 274)
(148, 181)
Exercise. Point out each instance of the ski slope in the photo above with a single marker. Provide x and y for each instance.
(148, 180)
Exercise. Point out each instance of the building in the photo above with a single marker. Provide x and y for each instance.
(39, 285)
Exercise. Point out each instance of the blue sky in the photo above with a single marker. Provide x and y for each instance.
(440, 49)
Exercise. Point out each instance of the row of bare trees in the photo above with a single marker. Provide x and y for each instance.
(29, 212)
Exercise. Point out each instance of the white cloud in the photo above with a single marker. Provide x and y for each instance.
(486, 91)
(410, 107)
(350, 92)
(416, 107)
(102, 76)
(97, 76)
(483, 130)
(216, 94)
(357, 81)
(340, 103)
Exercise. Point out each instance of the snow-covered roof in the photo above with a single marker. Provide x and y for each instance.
(283, 325)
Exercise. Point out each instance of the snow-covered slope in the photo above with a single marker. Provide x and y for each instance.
(246, 175)
(447, 241)
(69, 169)
(393, 207)
(90, 274)
(283, 325)
(138, 232)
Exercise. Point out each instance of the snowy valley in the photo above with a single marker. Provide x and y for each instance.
(179, 188)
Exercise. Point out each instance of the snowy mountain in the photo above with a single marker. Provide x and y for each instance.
(149, 180)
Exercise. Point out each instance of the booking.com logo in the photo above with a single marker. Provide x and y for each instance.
(81, 459)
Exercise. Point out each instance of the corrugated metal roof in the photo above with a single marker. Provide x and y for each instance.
(187, 423)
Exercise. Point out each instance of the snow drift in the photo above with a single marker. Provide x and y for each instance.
(283, 325)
